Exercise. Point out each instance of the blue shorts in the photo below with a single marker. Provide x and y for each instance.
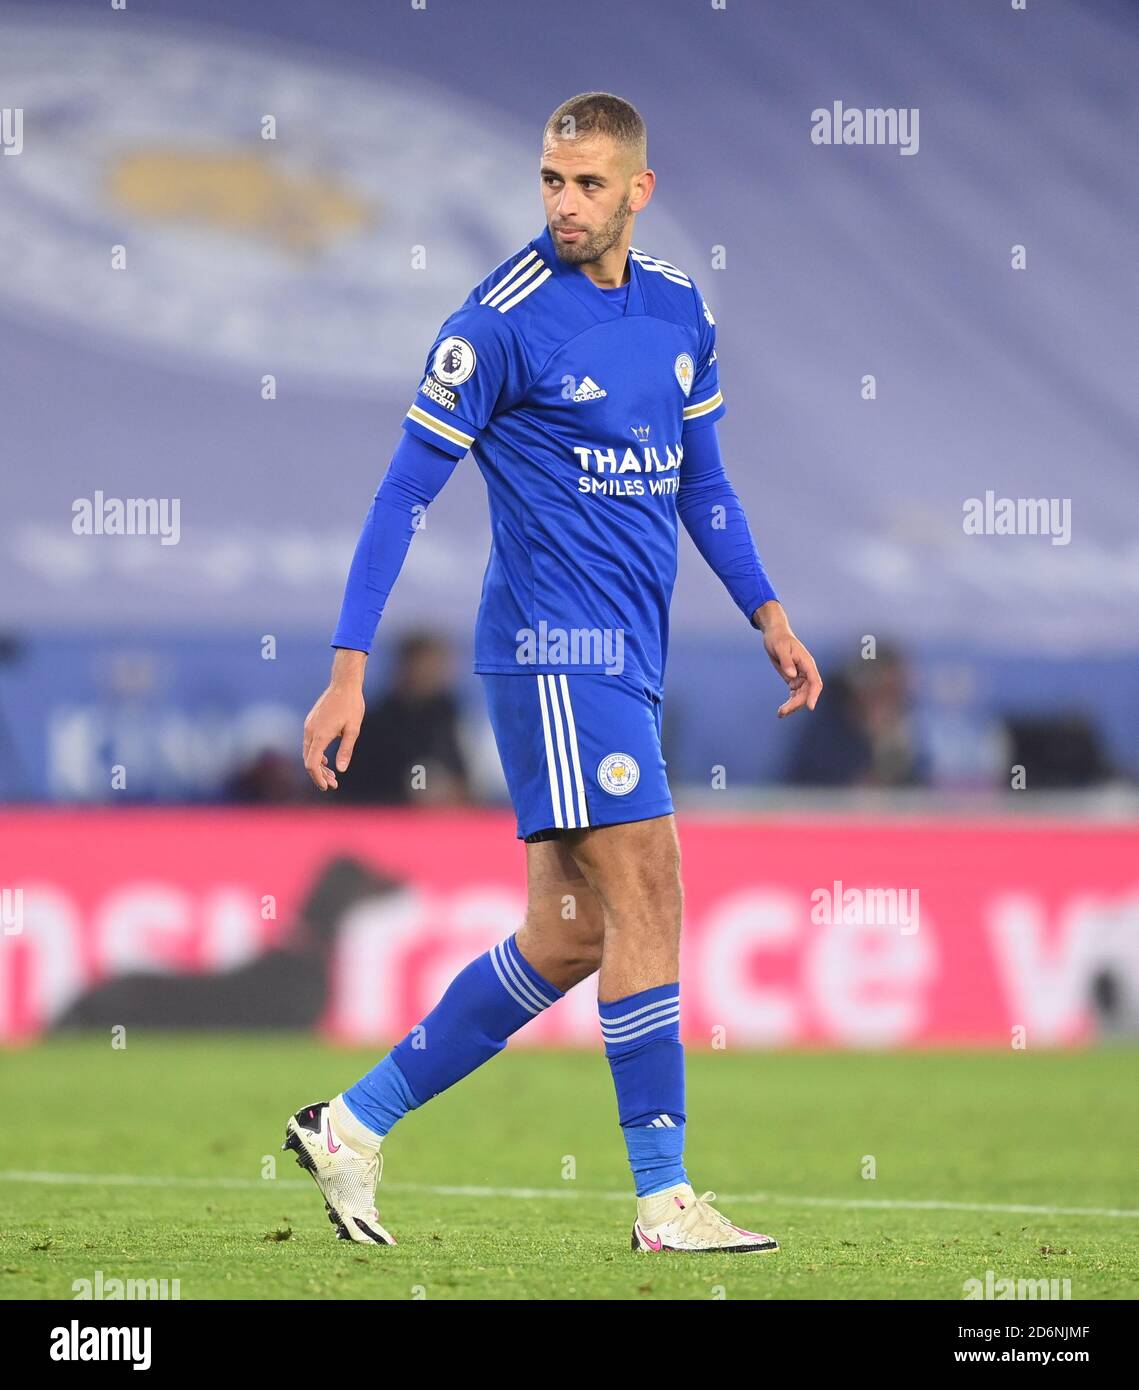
(578, 749)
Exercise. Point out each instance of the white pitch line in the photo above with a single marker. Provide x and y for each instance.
(136, 1180)
(545, 1193)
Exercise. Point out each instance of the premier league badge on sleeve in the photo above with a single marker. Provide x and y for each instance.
(454, 361)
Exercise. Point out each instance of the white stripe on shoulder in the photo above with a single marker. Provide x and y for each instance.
(513, 283)
(521, 279)
(665, 268)
(525, 290)
(514, 270)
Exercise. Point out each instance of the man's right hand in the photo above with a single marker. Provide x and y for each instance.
(337, 714)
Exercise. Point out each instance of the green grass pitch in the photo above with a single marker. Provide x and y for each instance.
(514, 1183)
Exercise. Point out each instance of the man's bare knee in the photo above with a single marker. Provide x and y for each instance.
(583, 958)
(564, 932)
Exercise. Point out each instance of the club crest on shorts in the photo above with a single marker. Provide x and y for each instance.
(685, 372)
(454, 361)
(618, 774)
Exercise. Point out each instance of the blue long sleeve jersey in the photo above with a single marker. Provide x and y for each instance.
(706, 503)
(591, 415)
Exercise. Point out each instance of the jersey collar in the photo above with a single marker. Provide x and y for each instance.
(579, 284)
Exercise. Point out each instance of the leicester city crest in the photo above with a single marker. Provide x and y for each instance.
(685, 372)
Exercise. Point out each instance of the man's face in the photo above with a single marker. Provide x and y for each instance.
(586, 187)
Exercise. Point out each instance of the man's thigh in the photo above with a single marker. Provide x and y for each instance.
(634, 870)
(633, 867)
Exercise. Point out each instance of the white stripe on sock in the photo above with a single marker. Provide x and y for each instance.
(518, 975)
(648, 1028)
(664, 1009)
(635, 1013)
(508, 986)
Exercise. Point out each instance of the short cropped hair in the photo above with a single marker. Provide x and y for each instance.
(601, 113)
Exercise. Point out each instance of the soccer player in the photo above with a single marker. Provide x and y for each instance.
(581, 373)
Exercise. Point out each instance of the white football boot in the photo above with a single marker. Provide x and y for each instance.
(346, 1177)
(676, 1219)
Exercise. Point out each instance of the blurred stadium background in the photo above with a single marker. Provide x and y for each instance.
(161, 855)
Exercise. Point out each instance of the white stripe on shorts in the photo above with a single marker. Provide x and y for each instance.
(571, 727)
(559, 733)
(555, 794)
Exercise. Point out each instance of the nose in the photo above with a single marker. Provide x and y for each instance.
(567, 203)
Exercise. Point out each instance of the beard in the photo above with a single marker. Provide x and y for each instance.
(593, 245)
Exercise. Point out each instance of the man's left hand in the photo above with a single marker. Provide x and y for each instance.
(789, 657)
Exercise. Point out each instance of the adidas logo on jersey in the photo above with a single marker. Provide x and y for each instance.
(589, 391)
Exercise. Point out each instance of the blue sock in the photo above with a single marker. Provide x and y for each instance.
(642, 1043)
(492, 998)
(381, 1098)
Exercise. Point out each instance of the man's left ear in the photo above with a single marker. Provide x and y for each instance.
(647, 182)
